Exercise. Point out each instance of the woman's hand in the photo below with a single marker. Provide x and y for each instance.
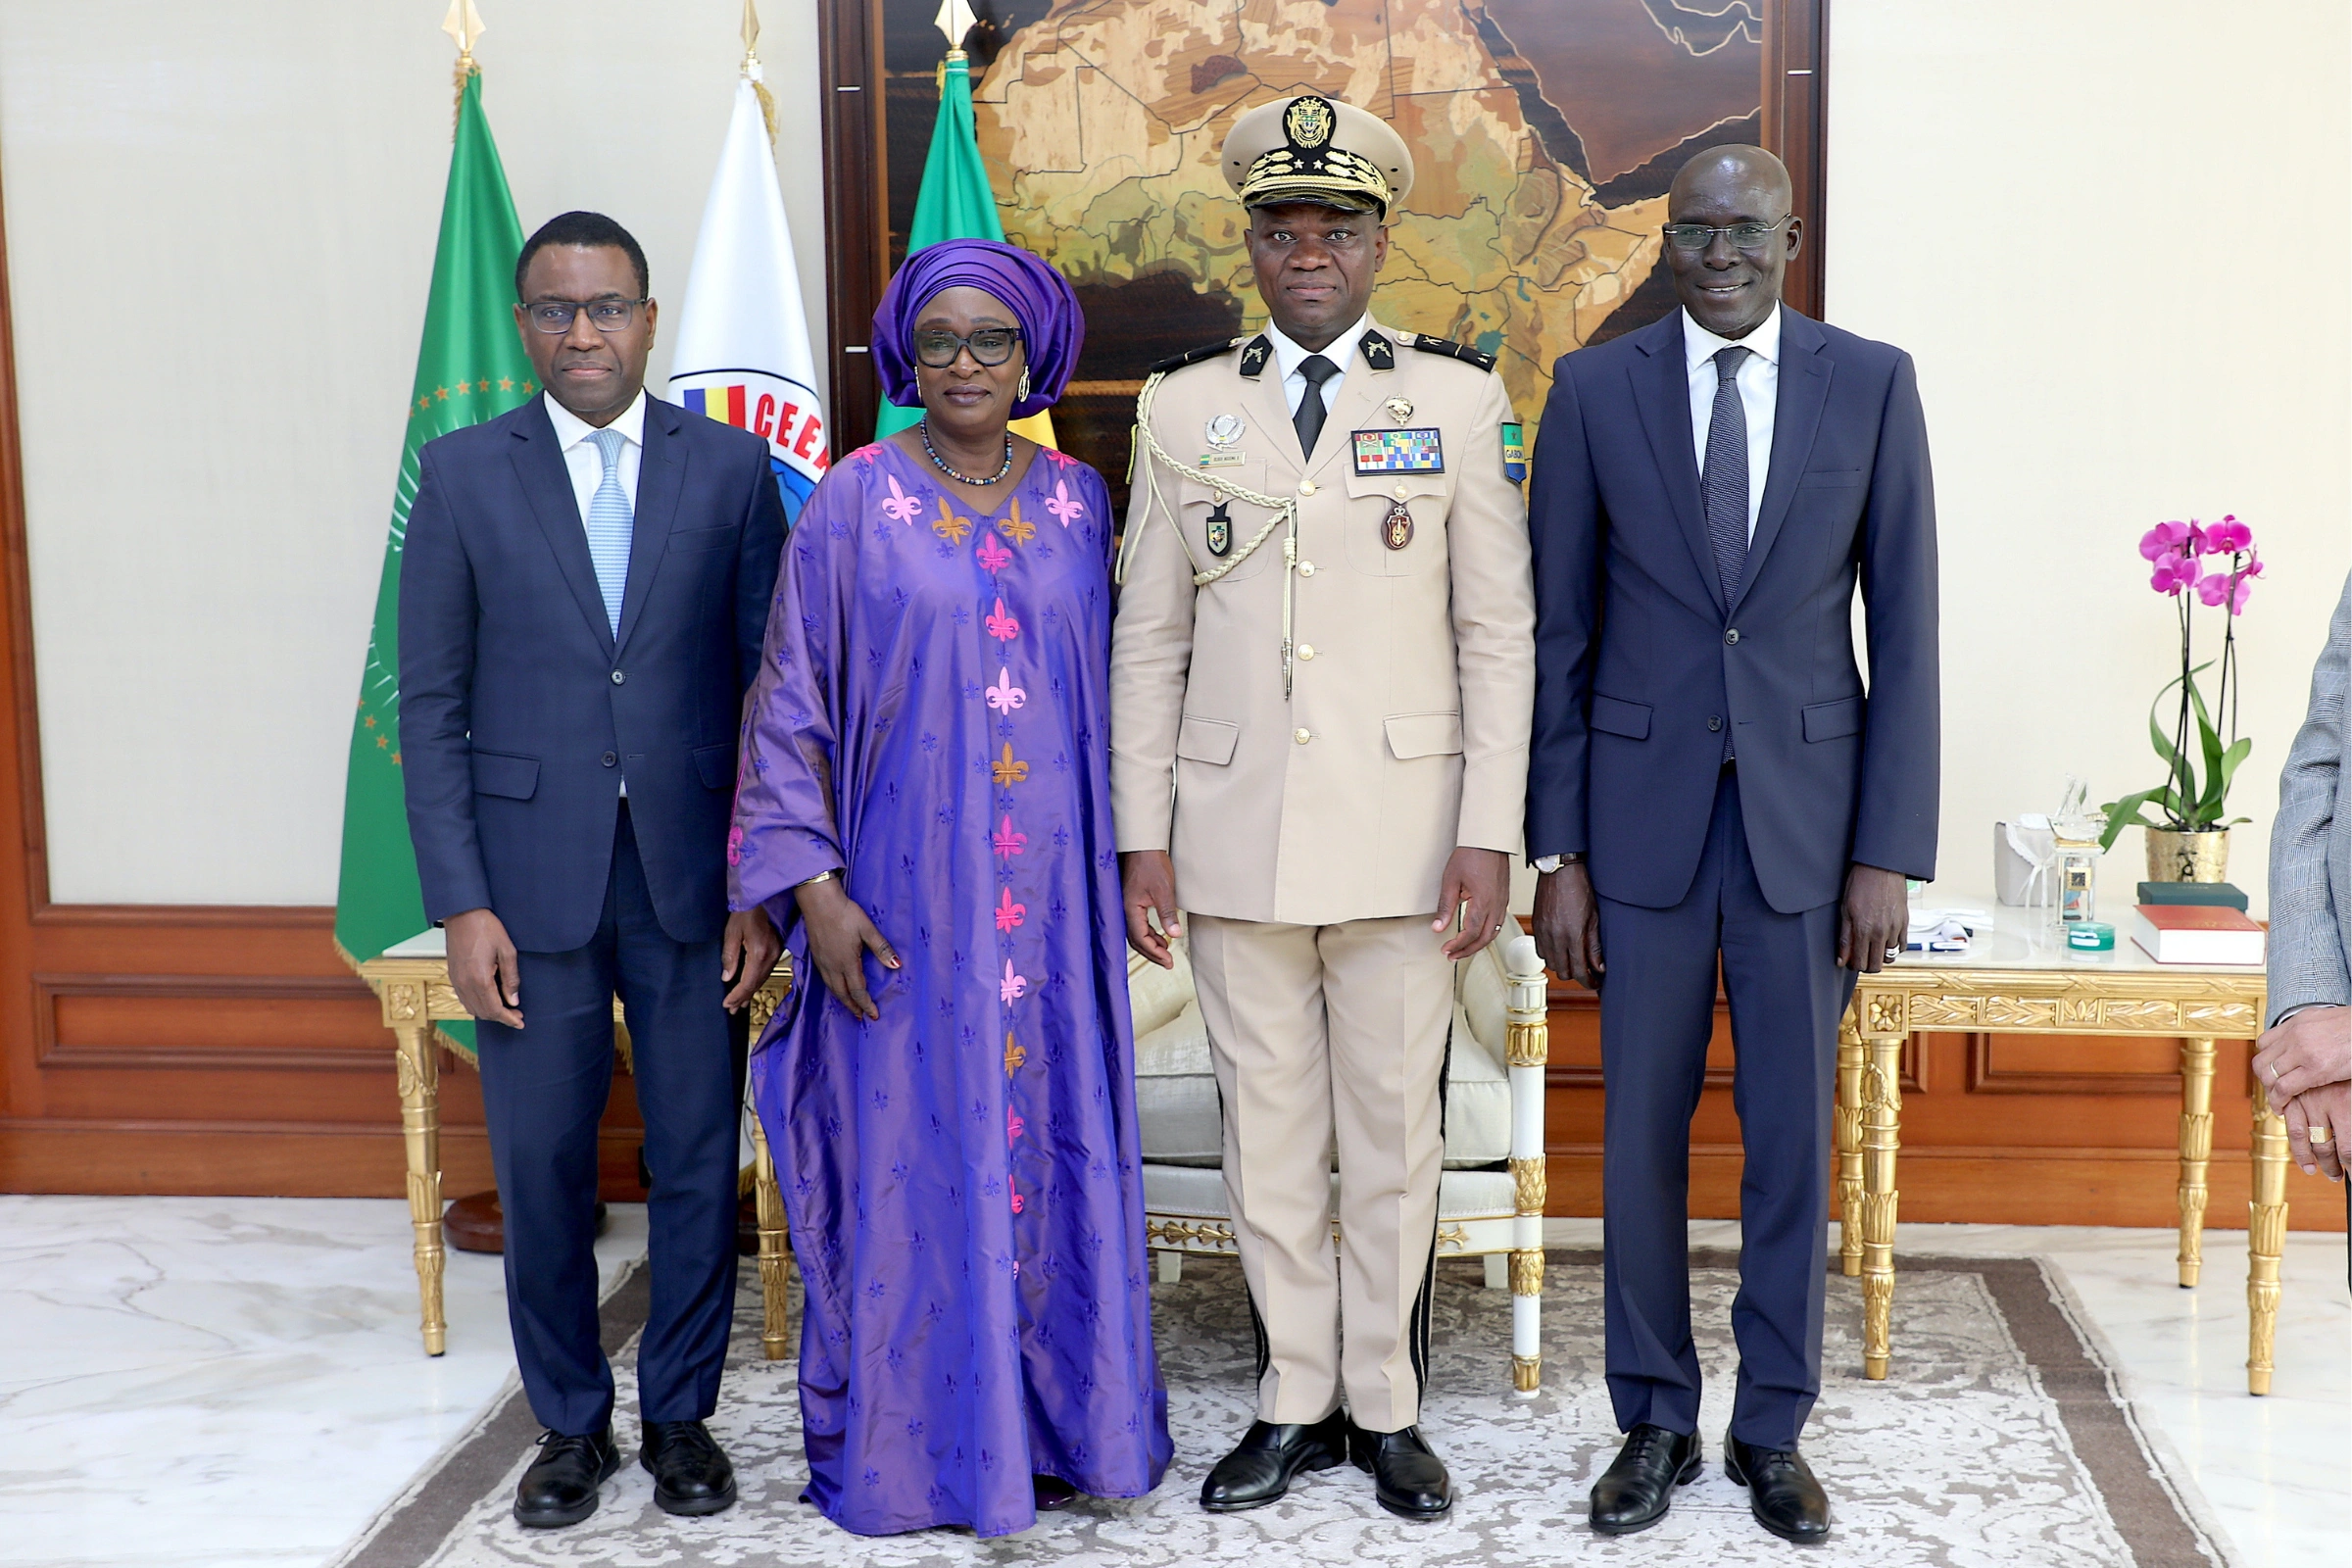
(839, 938)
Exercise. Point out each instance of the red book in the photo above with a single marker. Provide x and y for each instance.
(2197, 933)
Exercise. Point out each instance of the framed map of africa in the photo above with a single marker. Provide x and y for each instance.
(1544, 134)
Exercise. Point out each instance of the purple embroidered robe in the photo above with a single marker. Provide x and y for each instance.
(961, 1175)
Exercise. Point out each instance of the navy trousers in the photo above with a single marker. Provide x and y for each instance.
(545, 1086)
(1657, 1008)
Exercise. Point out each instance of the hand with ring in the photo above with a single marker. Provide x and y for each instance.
(2317, 1123)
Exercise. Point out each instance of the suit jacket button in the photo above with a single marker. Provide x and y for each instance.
(619, 677)
(1307, 568)
(612, 760)
(1730, 638)
(1306, 487)
(1307, 650)
(1712, 723)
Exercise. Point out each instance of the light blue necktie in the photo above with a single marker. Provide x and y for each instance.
(609, 526)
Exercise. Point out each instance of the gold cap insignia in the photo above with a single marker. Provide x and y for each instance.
(1307, 121)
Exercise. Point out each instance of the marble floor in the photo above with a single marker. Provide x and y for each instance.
(217, 1383)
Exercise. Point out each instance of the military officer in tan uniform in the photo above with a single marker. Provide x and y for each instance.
(1322, 677)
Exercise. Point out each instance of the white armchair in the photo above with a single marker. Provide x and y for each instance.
(1491, 1199)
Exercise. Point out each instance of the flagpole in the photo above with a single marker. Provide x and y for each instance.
(464, 24)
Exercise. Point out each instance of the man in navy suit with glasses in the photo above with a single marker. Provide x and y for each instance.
(1713, 787)
(584, 589)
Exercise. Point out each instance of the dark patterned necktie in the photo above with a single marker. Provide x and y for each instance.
(1308, 420)
(1723, 479)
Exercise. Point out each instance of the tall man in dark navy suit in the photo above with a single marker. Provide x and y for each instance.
(1709, 781)
(583, 593)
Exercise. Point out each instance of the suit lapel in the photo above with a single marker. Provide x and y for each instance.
(1662, 386)
(1795, 420)
(547, 484)
(1361, 392)
(661, 478)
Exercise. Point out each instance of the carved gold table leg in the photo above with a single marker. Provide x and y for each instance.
(1848, 1116)
(775, 1250)
(419, 1071)
(2266, 1240)
(2196, 1150)
(1881, 1136)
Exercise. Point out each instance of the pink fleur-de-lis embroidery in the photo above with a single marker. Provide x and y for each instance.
(1008, 840)
(1002, 628)
(1004, 696)
(735, 848)
(1009, 914)
(1014, 1125)
(1017, 1206)
(900, 507)
(1011, 987)
(992, 554)
(1062, 506)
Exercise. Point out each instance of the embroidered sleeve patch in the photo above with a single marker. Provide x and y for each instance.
(1514, 453)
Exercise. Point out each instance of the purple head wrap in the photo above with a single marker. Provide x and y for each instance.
(1040, 299)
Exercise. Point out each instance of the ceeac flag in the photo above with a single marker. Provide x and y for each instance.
(742, 352)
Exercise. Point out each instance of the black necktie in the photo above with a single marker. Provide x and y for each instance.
(1308, 420)
(1723, 479)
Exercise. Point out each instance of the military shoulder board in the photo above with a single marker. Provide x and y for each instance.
(1208, 351)
(1453, 350)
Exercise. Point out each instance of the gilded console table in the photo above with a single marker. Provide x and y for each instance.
(411, 982)
(2017, 980)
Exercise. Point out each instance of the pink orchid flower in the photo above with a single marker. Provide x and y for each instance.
(2171, 538)
(2231, 587)
(1013, 986)
(1002, 628)
(2228, 537)
(1008, 914)
(2173, 573)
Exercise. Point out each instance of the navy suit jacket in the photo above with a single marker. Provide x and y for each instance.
(1639, 668)
(521, 712)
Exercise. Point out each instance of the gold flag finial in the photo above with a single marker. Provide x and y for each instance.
(751, 34)
(752, 71)
(955, 19)
(463, 25)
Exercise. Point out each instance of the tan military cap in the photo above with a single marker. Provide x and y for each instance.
(1316, 149)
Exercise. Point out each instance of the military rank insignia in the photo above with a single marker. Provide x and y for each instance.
(1407, 451)
(1220, 530)
(1514, 453)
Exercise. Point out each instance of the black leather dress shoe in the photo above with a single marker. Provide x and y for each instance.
(1634, 1491)
(1053, 1493)
(1780, 1491)
(1263, 1465)
(560, 1487)
(690, 1470)
(1411, 1481)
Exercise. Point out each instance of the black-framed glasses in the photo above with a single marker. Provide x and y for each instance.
(1743, 236)
(606, 316)
(938, 348)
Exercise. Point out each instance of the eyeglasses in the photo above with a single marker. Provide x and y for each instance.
(939, 347)
(1698, 236)
(606, 316)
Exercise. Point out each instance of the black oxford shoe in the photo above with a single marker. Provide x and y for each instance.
(1780, 1491)
(691, 1473)
(1637, 1488)
(1263, 1465)
(1411, 1481)
(560, 1487)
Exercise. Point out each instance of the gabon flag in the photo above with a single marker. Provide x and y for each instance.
(743, 356)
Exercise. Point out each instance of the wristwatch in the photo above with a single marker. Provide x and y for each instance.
(1549, 863)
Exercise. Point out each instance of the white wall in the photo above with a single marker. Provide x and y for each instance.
(2111, 234)
(2089, 221)
(219, 227)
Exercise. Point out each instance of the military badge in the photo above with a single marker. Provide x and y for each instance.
(1413, 450)
(1220, 530)
(1225, 429)
(1399, 409)
(1307, 124)
(1396, 528)
(1514, 453)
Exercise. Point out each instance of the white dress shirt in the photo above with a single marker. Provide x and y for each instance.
(585, 463)
(1288, 355)
(1759, 383)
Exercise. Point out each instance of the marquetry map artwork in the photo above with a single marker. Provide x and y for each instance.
(1544, 136)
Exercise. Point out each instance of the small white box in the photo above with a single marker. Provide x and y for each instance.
(2012, 870)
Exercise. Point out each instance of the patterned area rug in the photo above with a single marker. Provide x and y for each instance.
(2001, 1441)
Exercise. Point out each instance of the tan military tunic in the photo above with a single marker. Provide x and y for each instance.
(1309, 826)
(1404, 731)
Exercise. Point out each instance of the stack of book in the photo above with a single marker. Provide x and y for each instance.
(2195, 923)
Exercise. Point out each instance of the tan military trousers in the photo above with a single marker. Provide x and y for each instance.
(1323, 1036)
